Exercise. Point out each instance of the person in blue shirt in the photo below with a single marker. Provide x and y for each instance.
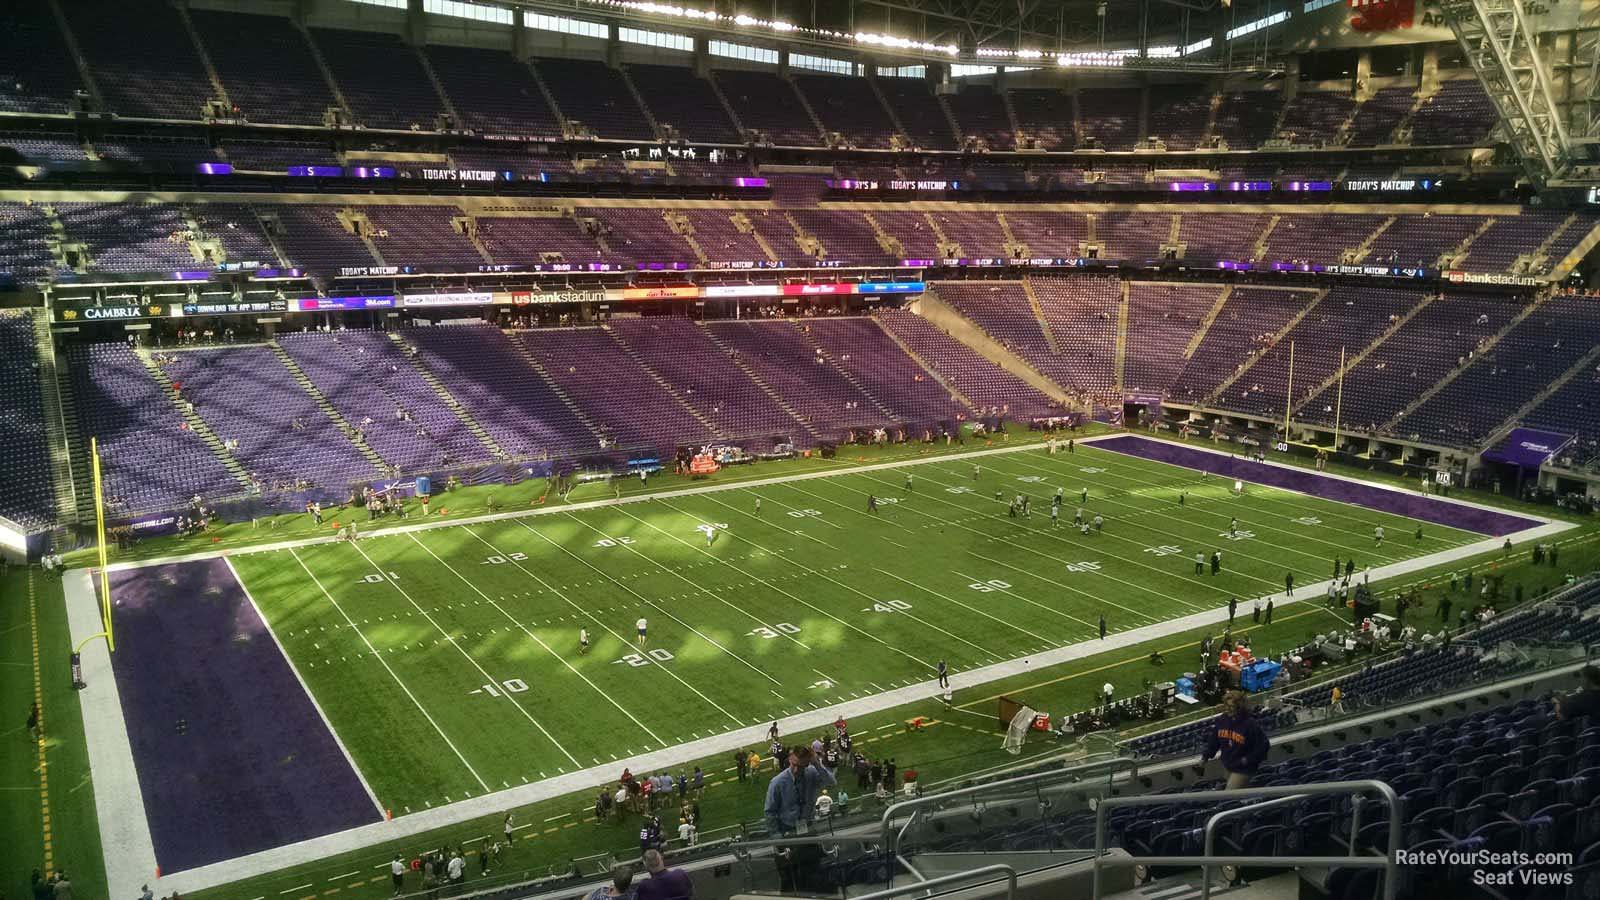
(792, 793)
(791, 799)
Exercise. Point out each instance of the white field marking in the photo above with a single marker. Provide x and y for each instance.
(467, 656)
(1254, 510)
(599, 623)
(686, 580)
(1046, 555)
(661, 609)
(964, 606)
(326, 723)
(538, 641)
(1020, 447)
(293, 889)
(1064, 586)
(1233, 548)
(971, 579)
(787, 507)
(866, 634)
(385, 663)
(1135, 585)
(1519, 514)
(344, 876)
(122, 880)
(1060, 539)
(826, 677)
(918, 619)
(658, 607)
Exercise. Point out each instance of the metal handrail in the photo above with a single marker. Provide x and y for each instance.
(1211, 834)
(1110, 766)
(1007, 871)
(1387, 861)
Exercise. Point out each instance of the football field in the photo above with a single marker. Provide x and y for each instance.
(466, 640)
(435, 671)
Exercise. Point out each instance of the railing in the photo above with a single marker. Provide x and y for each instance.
(958, 878)
(888, 840)
(1358, 790)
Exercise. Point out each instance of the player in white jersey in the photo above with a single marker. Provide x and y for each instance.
(644, 630)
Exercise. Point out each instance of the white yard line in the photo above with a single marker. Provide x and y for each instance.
(701, 589)
(1023, 547)
(465, 655)
(972, 609)
(268, 861)
(120, 806)
(386, 667)
(289, 660)
(1256, 509)
(853, 627)
(868, 597)
(1250, 509)
(588, 504)
(525, 630)
(595, 619)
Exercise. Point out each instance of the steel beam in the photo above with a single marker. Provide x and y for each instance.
(1500, 46)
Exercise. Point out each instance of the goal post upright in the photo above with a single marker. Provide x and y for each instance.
(100, 541)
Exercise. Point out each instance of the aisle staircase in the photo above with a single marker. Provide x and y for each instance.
(449, 400)
(351, 432)
(534, 363)
(1359, 252)
(1121, 358)
(1276, 337)
(57, 405)
(1205, 323)
(196, 424)
(203, 54)
(1352, 361)
(929, 369)
(777, 399)
(824, 354)
(79, 61)
(1586, 364)
(1038, 316)
(322, 66)
(1484, 352)
(666, 385)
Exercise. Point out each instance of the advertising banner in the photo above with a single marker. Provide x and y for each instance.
(468, 298)
(1528, 447)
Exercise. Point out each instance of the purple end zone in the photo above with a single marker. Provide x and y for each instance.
(1401, 503)
(253, 765)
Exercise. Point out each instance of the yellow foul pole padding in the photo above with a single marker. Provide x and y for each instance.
(100, 535)
(1338, 403)
(1288, 398)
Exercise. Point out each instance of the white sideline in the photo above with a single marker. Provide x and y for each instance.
(118, 802)
(130, 856)
(289, 661)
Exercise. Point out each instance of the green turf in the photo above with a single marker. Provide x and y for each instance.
(954, 743)
(812, 602)
(70, 841)
(924, 550)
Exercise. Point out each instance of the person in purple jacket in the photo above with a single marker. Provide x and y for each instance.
(663, 883)
(1238, 738)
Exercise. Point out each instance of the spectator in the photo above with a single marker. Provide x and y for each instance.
(1238, 738)
(1586, 701)
(621, 886)
(664, 883)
